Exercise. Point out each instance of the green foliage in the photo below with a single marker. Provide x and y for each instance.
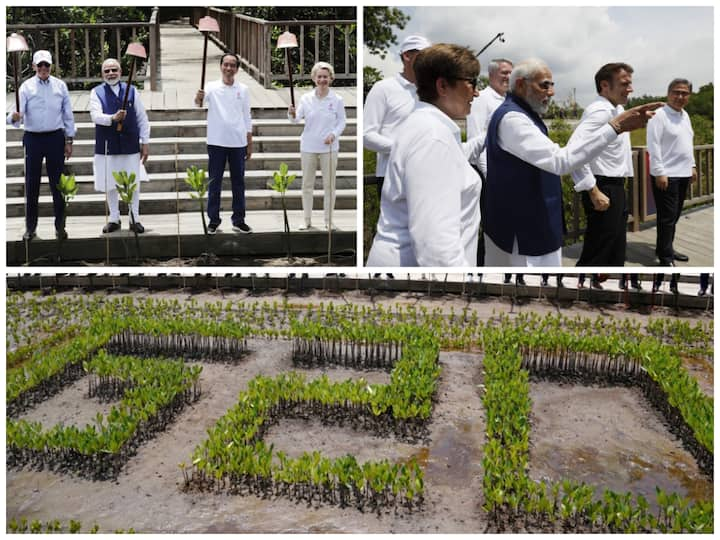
(68, 187)
(198, 182)
(371, 75)
(378, 27)
(126, 185)
(282, 180)
(703, 128)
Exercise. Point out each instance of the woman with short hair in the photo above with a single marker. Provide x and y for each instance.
(324, 114)
(430, 212)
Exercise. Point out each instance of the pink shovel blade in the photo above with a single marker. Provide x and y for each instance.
(136, 49)
(16, 43)
(287, 40)
(208, 24)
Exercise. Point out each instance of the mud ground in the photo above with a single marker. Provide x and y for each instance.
(609, 437)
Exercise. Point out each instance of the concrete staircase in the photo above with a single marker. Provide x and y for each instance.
(178, 142)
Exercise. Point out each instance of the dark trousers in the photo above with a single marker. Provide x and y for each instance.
(605, 239)
(669, 205)
(235, 157)
(50, 147)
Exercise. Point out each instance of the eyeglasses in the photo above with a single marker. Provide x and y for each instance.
(545, 85)
(473, 81)
(111, 70)
(43, 64)
(679, 93)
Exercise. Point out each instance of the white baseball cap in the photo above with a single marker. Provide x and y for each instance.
(42, 56)
(414, 43)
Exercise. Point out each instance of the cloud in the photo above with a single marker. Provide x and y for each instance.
(659, 42)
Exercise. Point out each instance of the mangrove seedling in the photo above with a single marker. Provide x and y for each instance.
(199, 183)
(281, 182)
(68, 188)
(126, 187)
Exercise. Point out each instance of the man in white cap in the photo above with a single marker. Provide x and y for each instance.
(46, 112)
(388, 103)
(124, 150)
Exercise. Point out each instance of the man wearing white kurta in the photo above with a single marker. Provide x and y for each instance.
(388, 104)
(115, 151)
(672, 166)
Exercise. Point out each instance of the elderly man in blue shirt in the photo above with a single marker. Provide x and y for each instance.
(46, 112)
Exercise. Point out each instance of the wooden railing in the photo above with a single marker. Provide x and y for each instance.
(641, 204)
(79, 62)
(254, 40)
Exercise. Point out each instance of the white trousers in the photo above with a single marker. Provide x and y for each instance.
(494, 256)
(113, 199)
(309, 161)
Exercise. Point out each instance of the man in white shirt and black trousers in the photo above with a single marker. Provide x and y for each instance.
(672, 166)
(388, 103)
(605, 236)
(229, 139)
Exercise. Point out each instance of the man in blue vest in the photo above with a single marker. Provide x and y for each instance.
(116, 150)
(523, 205)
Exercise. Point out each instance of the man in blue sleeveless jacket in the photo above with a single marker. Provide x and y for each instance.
(523, 205)
(118, 150)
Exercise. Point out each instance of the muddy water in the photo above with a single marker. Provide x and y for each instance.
(146, 496)
(610, 438)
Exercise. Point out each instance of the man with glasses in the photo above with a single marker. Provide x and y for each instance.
(229, 139)
(605, 235)
(46, 112)
(122, 138)
(524, 222)
(388, 103)
(672, 166)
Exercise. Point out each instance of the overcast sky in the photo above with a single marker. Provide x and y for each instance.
(660, 43)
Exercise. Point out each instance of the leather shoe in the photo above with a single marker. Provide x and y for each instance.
(137, 227)
(61, 234)
(29, 235)
(111, 227)
(680, 257)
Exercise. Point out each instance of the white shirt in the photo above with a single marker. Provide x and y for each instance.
(478, 120)
(45, 106)
(323, 116)
(615, 160)
(429, 212)
(670, 143)
(102, 119)
(387, 105)
(519, 136)
(228, 120)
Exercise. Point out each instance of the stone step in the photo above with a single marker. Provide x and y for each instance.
(164, 232)
(191, 145)
(196, 128)
(166, 203)
(164, 163)
(166, 182)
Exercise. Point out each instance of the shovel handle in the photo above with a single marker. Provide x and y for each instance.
(127, 91)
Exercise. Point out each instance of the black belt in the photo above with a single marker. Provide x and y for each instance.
(44, 133)
(611, 179)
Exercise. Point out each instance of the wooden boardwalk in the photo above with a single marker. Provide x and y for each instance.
(180, 72)
(694, 237)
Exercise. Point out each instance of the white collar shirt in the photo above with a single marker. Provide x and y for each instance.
(45, 106)
(615, 160)
(323, 117)
(102, 119)
(229, 120)
(387, 105)
(670, 143)
(429, 214)
(482, 109)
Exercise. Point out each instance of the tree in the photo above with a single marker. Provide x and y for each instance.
(379, 23)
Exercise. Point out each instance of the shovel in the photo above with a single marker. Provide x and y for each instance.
(134, 50)
(287, 41)
(16, 44)
(206, 25)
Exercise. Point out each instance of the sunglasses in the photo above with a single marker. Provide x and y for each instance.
(473, 81)
(43, 64)
(111, 70)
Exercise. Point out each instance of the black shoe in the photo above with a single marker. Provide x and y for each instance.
(242, 228)
(28, 235)
(507, 281)
(595, 284)
(636, 286)
(702, 292)
(674, 289)
(655, 288)
(560, 284)
(520, 281)
(622, 285)
(212, 228)
(137, 227)
(61, 234)
(111, 227)
(680, 257)
(544, 283)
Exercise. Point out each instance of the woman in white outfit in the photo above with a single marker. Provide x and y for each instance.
(324, 114)
(430, 211)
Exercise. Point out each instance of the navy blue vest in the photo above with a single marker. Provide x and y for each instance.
(126, 141)
(520, 200)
